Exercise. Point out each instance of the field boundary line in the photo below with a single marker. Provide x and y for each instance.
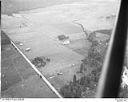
(38, 72)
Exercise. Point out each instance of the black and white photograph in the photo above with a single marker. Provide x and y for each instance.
(64, 49)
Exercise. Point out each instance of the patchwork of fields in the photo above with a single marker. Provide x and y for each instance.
(39, 29)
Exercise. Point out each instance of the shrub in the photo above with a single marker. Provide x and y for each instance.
(48, 59)
(74, 79)
(39, 62)
(81, 68)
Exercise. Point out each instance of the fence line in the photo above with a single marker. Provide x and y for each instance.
(38, 72)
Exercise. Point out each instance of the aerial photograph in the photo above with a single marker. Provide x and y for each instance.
(56, 48)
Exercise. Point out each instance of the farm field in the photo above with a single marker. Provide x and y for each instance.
(38, 30)
(18, 78)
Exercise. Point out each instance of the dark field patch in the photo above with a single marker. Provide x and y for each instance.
(104, 31)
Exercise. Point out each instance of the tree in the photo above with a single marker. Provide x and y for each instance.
(82, 81)
(86, 81)
(39, 62)
(92, 37)
(81, 68)
(94, 43)
(48, 59)
(85, 61)
(74, 79)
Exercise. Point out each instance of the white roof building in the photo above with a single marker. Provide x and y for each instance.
(65, 42)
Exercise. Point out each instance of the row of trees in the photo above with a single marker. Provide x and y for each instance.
(83, 87)
(86, 85)
(94, 59)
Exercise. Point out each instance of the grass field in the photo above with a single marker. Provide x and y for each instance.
(18, 78)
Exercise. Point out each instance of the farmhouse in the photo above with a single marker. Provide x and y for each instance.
(64, 39)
